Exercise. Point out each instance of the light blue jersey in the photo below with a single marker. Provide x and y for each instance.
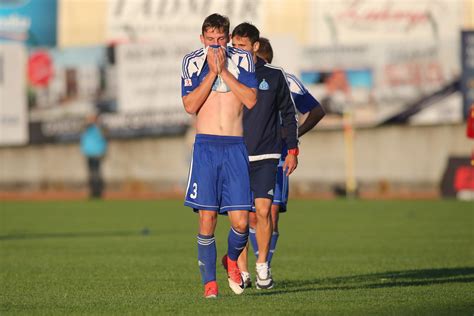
(195, 68)
(304, 103)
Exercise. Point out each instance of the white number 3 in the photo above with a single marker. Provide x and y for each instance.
(195, 193)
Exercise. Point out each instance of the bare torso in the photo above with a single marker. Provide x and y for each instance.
(221, 114)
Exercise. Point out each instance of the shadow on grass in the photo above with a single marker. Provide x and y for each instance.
(377, 280)
(24, 236)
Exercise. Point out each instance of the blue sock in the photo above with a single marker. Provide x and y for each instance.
(253, 241)
(236, 243)
(273, 243)
(207, 255)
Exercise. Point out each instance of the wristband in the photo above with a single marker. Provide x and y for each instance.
(294, 151)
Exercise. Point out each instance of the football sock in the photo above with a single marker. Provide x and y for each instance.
(273, 243)
(207, 256)
(236, 243)
(253, 241)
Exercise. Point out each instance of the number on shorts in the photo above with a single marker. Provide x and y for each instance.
(195, 193)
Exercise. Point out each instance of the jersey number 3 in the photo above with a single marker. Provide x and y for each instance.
(195, 193)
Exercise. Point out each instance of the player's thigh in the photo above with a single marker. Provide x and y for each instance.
(263, 178)
(201, 190)
(235, 181)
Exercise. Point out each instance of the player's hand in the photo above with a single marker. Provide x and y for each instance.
(291, 162)
(212, 60)
(221, 59)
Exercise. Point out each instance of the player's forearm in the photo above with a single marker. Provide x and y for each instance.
(314, 116)
(193, 101)
(290, 126)
(246, 95)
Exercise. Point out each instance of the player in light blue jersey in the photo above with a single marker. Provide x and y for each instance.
(305, 104)
(216, 83)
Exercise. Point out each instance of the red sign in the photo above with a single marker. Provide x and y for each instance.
(464, 178)
(470, 123)
(40, 68)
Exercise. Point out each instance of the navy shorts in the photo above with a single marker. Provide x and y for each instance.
(219, 175)
(262, 178)
(281, 188)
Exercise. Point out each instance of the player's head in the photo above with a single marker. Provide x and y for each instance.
(265, 51)
(215, 30)
(245, 36)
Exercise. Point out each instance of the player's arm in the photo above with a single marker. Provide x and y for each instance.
(246, 95)
(290, 125)
(305, 103)
(194, 100)
(313, 118)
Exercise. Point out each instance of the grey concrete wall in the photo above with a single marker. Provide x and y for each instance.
(408, 155)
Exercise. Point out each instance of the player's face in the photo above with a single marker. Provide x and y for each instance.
(244, 43)
(213, 36)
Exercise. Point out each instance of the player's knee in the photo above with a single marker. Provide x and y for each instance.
(207, 224)
(241, 225)
(263, 213)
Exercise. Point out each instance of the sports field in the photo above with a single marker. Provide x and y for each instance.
(333, 257)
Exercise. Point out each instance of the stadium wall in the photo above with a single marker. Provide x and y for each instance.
(388, 160)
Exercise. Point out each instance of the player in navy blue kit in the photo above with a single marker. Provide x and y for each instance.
(305, 104)
(262, 133)
(217, 83)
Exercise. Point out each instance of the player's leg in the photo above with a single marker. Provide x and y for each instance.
(201, 194)
(264, 228)
(263, 231)
(207, 252)
(236, 200)
(279, 204)
(252, 232)
(275, 233)
(263, 175)
(243, 258)
(236, 243)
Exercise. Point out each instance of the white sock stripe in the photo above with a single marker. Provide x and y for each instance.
(205, 244)
(206, 240)
(237, 233)
(251, 230)
(275, 233)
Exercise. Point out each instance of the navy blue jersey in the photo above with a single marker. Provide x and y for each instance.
(195, 68)
(262, 129)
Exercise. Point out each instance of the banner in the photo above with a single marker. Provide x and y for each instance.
(179, 20)
(30, 21)
(66, 85)
(13, 111)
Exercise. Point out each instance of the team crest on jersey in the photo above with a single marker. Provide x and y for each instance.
(263, 85)
(188, 82)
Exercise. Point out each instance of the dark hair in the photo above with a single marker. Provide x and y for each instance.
(265, 50)
(216, 21)
(247, 30)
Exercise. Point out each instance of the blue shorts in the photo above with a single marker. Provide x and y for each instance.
(281, 188)
(262, 178)
(219, 175)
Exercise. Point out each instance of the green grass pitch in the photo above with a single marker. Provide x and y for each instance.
(333, 257)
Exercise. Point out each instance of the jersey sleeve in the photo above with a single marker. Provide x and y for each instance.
(287, 112)
(246, 66)
(190, 71)
(304, 101)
